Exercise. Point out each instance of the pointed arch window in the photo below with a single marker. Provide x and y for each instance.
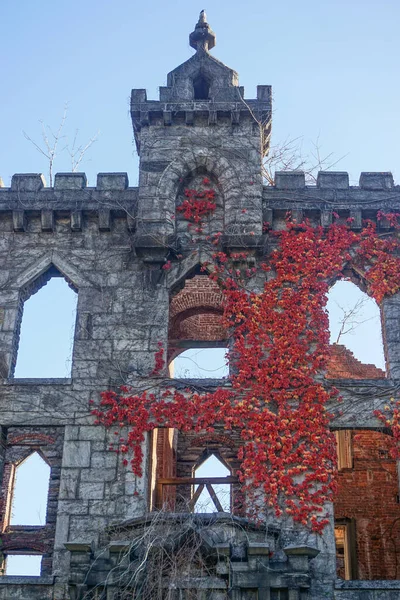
(46, 328)
(32, 477)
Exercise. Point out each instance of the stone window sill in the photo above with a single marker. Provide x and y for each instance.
(39, 381)
(25, 580)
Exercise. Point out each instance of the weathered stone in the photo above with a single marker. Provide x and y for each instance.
(110, 243)
(76, 454)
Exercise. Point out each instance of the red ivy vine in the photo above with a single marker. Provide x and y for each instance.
(277, 399)
(197, 205)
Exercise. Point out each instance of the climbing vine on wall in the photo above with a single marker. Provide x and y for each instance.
(280, 349)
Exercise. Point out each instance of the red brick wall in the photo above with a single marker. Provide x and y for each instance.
(368, 493)
(196, 311)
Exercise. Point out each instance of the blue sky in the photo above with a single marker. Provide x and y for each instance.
(333, 67)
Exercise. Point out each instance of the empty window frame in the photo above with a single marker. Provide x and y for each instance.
(200, 363)
(31, 480)
(355, 322)
(23, 564)
(47, 329)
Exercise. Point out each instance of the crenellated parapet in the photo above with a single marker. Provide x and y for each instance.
(331, 197)
(28, 197)
(70, 197)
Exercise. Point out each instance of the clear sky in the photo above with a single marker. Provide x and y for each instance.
(333, 67)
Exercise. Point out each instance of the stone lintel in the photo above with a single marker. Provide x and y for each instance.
(78, 546)
(309, 551)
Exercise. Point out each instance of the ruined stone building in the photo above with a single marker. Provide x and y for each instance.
(110, 243)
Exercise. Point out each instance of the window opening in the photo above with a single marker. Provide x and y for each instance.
(201, 363)
(201, 88)
(23, 564)
(355, 322)
(31, 481)
(47, 332)
(205, 502)
(279, 594)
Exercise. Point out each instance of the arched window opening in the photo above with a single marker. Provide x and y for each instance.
(366, 507)
(201, 88)
(31, 481)
(23, 564)
(355, 323)
(212, 497)
(47, 331)
(201, 363)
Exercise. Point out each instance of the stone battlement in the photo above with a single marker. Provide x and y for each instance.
(284, 180)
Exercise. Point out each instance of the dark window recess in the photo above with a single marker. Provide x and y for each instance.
(279, 594)
(201, 88)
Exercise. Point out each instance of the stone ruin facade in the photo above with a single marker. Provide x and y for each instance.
(110, 242)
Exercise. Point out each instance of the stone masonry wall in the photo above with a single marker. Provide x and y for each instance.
(92, 237)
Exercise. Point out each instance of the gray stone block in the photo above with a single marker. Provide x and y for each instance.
(27, 182)
(91, 491)
(289, 180)
(76, 454)
(112, 181)
(70, 181)
(376, 181)
(338, 180)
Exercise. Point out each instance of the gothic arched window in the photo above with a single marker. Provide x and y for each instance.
(47, 328)
(31, 481)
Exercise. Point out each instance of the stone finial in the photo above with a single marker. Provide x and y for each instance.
(203, 37)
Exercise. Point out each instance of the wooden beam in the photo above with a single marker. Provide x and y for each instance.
(214, 498)
(196, 480)
(196, 496)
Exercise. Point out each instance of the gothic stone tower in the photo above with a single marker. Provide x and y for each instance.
(110, 243)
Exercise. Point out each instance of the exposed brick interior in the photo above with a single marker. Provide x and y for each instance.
(343, 365)
(368, 493)
(196, 311)
(20, 442)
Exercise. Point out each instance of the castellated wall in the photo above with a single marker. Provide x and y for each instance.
(110, 243)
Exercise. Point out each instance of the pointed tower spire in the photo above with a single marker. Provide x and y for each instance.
(203, 37)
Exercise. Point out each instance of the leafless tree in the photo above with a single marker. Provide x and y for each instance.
(289, 156)
(51, 140)
(351, 318)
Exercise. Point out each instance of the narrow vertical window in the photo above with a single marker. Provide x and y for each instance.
(31, 482)
(201, 88)
(47, 330)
